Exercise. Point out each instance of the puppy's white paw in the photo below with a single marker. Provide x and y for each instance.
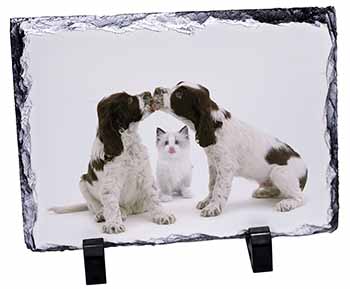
(99, 217)
(186, 193)
(165, 198)
(202, 204)
(287, 205)
(164, 218)
(113, 228)
(211, 210)
(124, 214)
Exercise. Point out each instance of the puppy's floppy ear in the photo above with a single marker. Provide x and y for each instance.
(110, 122)
(184, 131)
(205, 133)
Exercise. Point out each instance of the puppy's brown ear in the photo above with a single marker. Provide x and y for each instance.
(205, 133)
(109, 125)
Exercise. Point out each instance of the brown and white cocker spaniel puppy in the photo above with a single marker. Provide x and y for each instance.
(119, 179)
(234, 148)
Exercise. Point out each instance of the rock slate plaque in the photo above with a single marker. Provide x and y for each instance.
(169, 127)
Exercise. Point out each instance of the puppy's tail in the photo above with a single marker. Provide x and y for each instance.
(69, 209)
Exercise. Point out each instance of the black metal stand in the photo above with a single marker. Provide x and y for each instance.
(259, 243)
(94, 260)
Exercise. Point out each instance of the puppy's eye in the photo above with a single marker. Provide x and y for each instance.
(130, 100)
(166, 142)
(178, 94)
(176, 142)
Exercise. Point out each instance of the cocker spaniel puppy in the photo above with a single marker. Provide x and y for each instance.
(119, 180)
(234, 148)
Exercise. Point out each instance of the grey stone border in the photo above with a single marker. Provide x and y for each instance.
(190, 21)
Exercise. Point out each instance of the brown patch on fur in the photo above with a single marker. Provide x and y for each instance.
(115, 113)
(302, 180)
(196, 106)
(280, 155)
(98, 164)
(90, 176)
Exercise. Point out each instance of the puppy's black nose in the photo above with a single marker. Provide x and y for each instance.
(147, 94)
(158, 90)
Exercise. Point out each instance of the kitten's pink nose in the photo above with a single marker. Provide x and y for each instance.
(171, 150)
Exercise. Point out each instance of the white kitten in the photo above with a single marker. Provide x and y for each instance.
(174, 168)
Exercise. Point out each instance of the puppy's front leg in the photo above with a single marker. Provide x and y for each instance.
(151, 201)
(221, 189)
(111, 211)
(212, 178)
(153, 205)
(110, 195)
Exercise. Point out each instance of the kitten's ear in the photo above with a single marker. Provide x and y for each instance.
(184, 131)
(160, 131)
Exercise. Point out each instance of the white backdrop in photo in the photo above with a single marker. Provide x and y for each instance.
(272, 77)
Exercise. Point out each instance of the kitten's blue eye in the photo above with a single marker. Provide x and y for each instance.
(176, 142)
(166, 143)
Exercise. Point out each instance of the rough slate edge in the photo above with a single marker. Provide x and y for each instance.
(311, 15)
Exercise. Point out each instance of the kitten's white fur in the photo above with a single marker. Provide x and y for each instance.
(174, 171)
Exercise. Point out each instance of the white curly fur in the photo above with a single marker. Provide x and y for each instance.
(125, 186)
(240, 150)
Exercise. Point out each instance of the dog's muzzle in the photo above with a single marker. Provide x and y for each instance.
(147, 100)
(158, 98)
